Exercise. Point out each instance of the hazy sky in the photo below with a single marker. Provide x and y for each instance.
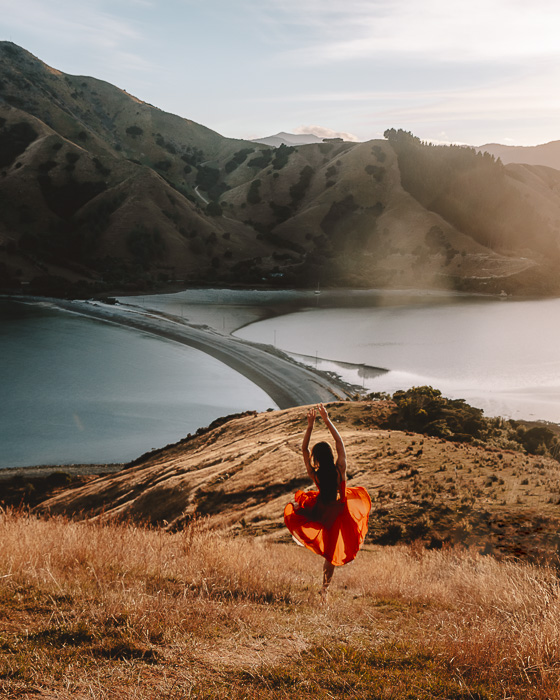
(466, 72)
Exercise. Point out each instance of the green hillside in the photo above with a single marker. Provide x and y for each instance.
(100, 191)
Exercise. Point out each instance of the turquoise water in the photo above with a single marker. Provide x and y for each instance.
(76, 390)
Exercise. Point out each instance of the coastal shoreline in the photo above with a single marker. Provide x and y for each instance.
(45, 470)
(229, 310)
(287, 383)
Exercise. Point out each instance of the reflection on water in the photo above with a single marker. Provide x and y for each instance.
(76, 390)
(348, 371)
(501, 356)
(227, 310)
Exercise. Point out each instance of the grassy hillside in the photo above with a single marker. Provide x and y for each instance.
(93, 191)
(458, 478)
(175, 576)
(93, 610)
(99, 191)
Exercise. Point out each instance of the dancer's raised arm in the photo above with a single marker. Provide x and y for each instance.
(305, 445)
(339, 444)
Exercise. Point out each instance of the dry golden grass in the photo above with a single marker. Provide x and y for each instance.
(242, 472)
(92, 610)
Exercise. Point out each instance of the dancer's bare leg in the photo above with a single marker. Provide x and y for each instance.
(328, 570)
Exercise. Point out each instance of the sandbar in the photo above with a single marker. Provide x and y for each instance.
(287, 383)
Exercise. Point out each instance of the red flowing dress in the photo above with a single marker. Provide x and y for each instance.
(334, 530)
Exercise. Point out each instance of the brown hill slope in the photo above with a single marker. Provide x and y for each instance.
(101, 190)
(241, 472)
(91, 189)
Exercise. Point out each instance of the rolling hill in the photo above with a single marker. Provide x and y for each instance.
(241, 471)
(100, 191)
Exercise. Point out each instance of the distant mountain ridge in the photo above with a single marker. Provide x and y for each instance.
(547, 154)
(544, 154)
(100, 191)
(285, 139)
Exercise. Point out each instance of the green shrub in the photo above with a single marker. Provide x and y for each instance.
(14, 140)
(213, 209)
(253, 195)
(538, 440)
(238, 158)
(163, 165)
(298, 189)
(376, 171)
(134, 131)
(101, 168)
(424, 410)
(281, 212)
(281, 156)
(193, 156)
(379, 153)
(262, 160)
(71, 158)
(65, 200)
(338, 212)
(207, 178)
(46, 166)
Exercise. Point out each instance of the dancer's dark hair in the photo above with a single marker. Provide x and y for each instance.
(323, 459)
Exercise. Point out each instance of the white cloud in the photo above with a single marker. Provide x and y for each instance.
(500, 30)
(364, 65)
(324, 132)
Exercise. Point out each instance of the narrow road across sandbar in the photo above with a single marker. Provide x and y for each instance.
(287, 383)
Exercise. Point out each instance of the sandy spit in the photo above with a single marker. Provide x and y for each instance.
(287, 383)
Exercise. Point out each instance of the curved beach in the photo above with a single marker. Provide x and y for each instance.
(287, 383)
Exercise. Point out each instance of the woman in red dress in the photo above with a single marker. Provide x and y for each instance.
(331, 521)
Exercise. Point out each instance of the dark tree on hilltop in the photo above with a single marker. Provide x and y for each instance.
(401, 136)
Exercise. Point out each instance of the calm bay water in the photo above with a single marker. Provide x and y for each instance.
(76, 390)
(500, 355)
